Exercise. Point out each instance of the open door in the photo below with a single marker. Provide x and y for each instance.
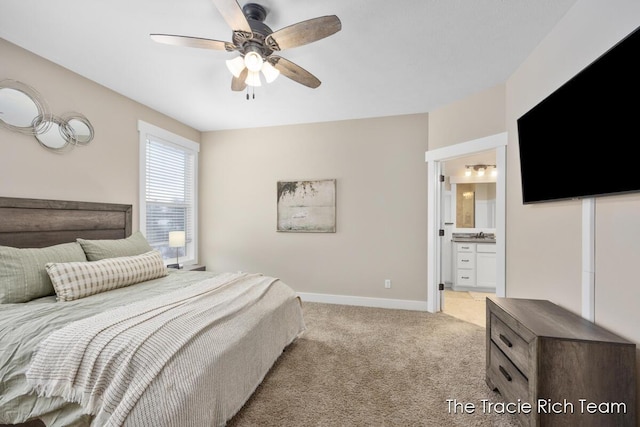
(434, 159)
(447, 223)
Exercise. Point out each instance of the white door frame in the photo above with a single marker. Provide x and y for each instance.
(434, 159)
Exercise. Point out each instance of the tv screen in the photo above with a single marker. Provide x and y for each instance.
(582, 140)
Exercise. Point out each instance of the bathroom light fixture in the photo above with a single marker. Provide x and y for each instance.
(480, 170)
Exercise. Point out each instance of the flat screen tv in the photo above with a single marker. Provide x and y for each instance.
(583, 139)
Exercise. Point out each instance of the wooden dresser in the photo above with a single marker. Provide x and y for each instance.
(571, 371)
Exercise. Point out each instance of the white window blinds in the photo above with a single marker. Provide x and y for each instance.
(169, 188)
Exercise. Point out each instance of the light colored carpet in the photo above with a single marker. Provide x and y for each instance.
(360, 366)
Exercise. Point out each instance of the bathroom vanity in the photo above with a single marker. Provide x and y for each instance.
(474, 263)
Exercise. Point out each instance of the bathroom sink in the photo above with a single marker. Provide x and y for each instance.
(474, 238)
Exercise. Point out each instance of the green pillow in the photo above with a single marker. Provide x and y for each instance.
(136, 244)
(23, 276)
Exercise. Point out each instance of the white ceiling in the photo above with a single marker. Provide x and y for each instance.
(391, 57)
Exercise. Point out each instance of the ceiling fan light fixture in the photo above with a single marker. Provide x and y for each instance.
(270, 72)
(253, 78)
(235, 65)
(256, 43)
(253, 61)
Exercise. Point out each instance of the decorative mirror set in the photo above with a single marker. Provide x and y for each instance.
(23, 110)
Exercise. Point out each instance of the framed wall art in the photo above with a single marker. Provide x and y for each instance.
(307, 206)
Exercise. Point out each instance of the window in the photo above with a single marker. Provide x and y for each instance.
(168, 191)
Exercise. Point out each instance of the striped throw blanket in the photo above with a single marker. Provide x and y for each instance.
(106, 362)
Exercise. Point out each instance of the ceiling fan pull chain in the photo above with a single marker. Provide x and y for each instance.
(253, 92)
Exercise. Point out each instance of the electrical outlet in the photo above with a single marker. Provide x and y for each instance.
(387, 283)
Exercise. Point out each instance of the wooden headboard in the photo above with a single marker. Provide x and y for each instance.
(36, 223)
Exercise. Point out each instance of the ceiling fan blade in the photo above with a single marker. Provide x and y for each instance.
(238, 84)
(294, 72)
(303, 32)
(232, 14)
(188, 41)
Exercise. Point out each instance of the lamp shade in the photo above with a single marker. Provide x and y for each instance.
(253, 61)
(253, 78)
(235, 65)
(269, 71)
(177, 239)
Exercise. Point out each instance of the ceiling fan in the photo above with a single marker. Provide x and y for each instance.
(257, 44)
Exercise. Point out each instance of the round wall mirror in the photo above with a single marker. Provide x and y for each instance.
(16, 108)
(54, 137)
(78, 128)
(21, 107)
(23, 110)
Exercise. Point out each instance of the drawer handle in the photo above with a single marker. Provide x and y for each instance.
(505, 373)
(505, 340)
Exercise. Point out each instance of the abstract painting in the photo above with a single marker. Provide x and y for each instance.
(307, 206)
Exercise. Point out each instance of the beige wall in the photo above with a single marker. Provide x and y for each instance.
(104, 171)
(544, 241)
(476, 116)
(550, 233)
(381, 205)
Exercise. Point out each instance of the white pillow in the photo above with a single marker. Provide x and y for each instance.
(74, 280)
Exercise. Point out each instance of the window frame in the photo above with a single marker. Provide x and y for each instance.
(145, 131)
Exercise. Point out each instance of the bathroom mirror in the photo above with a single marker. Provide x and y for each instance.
(475, 205)
(21, 107)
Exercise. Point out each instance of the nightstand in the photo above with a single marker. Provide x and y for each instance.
(194, 267)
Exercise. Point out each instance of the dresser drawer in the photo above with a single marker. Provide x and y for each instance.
(466, 260)
(465, 278)
(466, 247)
(511, 384)
(486, 247)
(516, 348)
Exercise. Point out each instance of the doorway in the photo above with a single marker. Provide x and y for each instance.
(436, 159)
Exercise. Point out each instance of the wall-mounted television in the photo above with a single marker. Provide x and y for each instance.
(583, 139)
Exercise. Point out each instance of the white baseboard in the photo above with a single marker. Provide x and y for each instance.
(364, 301)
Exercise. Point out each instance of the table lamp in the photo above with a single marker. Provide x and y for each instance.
(177, 239)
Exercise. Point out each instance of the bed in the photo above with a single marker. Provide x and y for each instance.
(184, 348)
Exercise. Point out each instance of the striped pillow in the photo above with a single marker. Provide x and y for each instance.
(74, 280)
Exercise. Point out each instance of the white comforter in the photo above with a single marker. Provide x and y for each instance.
(191, 357)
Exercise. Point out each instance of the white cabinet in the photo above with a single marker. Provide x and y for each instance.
(486, 269)
(465, 264)
(475, 266)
